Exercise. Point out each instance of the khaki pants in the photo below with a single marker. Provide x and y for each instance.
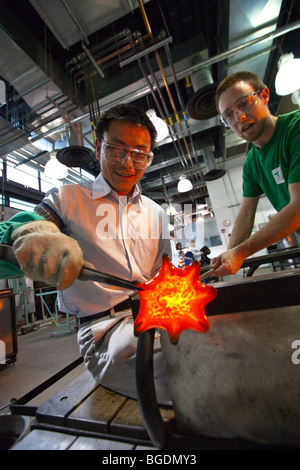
(108, 347)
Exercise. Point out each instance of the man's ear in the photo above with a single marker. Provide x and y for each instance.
(265, 94)
(98, 149)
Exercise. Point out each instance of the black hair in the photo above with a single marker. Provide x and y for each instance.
(126, 112)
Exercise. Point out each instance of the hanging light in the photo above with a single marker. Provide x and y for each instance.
(171, 210)
(160, 125)
(296, 97)
(54, 169)
(184, 184)
(288, 76)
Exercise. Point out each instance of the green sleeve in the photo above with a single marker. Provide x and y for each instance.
(9, 270)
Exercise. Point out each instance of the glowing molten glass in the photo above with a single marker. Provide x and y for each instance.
(174, 299)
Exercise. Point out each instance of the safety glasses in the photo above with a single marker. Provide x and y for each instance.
(118, 153)
(244, 105)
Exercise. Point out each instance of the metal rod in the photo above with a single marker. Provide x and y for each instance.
(167, 117)
(224, 55)
(146, 51)
(33, 88)
(159, 63)
(99, 70)
(213, 60)
(154, 96)
(68, 120)
(208, 273)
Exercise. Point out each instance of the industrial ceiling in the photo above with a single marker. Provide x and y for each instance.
(64, 62)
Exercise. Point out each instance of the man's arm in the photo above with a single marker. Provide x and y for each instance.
(244, 221)
(282, 224)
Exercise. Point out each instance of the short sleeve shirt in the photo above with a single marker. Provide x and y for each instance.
(272, 168)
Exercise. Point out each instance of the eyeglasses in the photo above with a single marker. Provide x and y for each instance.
(119, 153)
(244, 105)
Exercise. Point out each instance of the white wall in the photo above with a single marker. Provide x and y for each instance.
(225, 195)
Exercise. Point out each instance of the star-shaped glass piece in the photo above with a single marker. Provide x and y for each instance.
(174, 299)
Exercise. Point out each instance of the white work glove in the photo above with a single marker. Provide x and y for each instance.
(46, 254)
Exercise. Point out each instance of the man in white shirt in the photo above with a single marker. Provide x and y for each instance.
(110, 225)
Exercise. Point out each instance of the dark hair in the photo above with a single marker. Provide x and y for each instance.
(129, 113)
(243, 76)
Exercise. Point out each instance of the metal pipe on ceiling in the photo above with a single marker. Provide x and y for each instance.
(158, 60)
(212, 60)
(68, 120)
(95, 64)
(167, 118)
(109, 49)
(162, 115)
(167, 50)
(159, 63)
(224, 55)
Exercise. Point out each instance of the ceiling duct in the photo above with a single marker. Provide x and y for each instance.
(76, 155)
(201, 105)
(213, 173)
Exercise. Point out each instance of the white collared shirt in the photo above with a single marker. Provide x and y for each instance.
(123, 239)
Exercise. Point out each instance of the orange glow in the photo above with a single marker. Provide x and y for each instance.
(174, 299)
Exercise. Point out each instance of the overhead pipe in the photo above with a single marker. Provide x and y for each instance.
(179, 98)
(166, 85)
(213, 60)
(69, 121)
(90, 56)
(168, 118)
(78, 61)
(159, 63)
(158, 60)
(101, 61)
(224, 55)
(167, 50)
(163, 116)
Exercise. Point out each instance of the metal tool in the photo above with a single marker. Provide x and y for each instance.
(89, 274)
(206, 274)
(86, 273)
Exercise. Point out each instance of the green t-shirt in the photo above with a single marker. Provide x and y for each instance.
(272, 168)
(9, 270)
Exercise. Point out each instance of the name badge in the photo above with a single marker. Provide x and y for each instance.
(278, 176)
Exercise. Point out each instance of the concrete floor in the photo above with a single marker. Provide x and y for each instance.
(39, 357)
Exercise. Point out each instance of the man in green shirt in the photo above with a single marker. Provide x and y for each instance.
(272, 167)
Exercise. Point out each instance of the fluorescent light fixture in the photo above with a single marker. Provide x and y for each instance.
(184, 184)
(288, 76)
(54, 169)
(160, 125)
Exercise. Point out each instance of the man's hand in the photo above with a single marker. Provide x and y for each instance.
(227, 263)
(46, 254)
